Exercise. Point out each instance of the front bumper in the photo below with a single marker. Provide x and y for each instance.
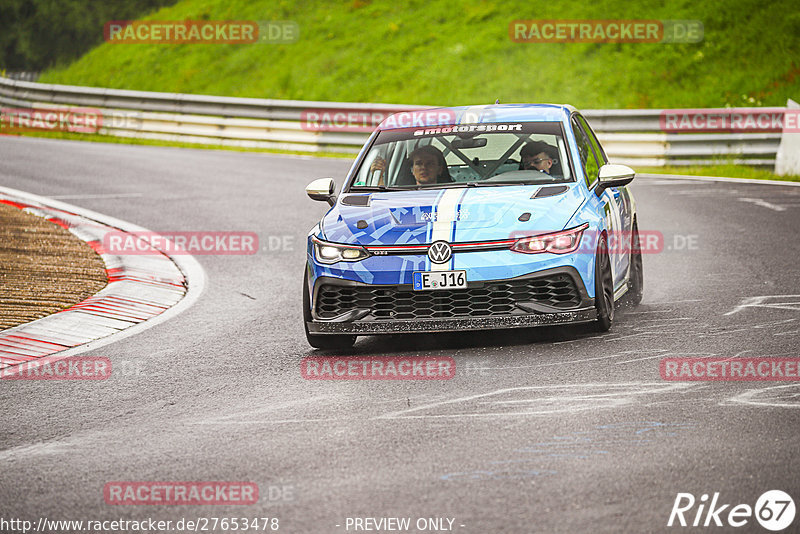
(550, 297)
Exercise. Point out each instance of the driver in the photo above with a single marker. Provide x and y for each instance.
(428, 166)
(537, 155)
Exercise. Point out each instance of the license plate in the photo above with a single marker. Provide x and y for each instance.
(432, 280)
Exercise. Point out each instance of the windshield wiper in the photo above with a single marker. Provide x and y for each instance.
(417, 187)
(501, 182)
(375, 188)
(455, 185)
(444, 185)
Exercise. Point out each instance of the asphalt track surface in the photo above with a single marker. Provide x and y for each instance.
(541, 430)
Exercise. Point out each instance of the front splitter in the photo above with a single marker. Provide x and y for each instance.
(450, 325)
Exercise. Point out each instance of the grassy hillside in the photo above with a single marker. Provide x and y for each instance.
(459, 52)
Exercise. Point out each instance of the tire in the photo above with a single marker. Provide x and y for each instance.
(636, 277)
(603, 287)
(325, 342)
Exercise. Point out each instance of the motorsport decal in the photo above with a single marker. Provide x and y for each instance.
(467, 128)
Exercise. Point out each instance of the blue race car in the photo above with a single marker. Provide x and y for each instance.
(471, 218)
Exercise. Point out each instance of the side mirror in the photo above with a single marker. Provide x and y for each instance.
(612, 175)
(322, 189)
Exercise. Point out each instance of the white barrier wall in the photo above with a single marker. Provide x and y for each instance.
(631, 136)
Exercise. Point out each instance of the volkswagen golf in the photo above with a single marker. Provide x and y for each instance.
(467, 218)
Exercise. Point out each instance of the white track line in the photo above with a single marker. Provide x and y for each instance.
(763, 203)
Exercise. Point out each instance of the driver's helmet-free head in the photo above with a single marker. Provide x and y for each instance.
(536, 147)
(406, 178)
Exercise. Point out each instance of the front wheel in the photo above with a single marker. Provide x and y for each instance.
(325, 342)
(636, 278)
(603, 287)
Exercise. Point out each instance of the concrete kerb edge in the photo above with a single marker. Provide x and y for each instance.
(191, 269)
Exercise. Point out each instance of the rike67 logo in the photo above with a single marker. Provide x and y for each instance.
(774, 510)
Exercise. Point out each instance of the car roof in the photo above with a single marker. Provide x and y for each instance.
(493, 113)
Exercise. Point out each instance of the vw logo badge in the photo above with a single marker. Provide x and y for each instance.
(440, 252)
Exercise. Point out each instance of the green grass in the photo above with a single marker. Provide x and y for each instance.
(454, 53)
(98, 138)
(727, 171)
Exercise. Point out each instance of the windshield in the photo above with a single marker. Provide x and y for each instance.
(466, 155)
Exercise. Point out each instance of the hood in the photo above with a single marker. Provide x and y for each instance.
(461, 214)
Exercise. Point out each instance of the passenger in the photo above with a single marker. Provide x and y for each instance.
(538, 155)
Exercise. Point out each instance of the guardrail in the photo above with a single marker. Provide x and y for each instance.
(634, 137)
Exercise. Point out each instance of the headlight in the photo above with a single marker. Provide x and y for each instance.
(558, 243)
(332, 252)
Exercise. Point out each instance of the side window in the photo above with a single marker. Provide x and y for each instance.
(588, 159)
(598, 150)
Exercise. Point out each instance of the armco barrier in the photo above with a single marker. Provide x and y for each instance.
(632, 136)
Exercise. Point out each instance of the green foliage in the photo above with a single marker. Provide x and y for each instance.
(726, 170)
(36, 34)
(440, 52)
(100, 138)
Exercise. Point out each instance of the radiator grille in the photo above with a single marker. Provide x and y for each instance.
(494, 298)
